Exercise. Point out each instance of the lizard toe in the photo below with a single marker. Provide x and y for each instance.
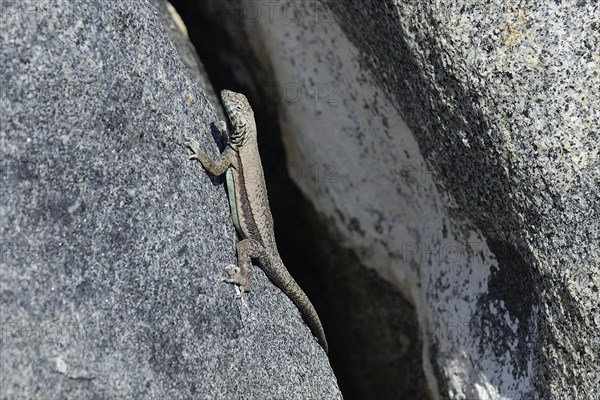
(232, 270)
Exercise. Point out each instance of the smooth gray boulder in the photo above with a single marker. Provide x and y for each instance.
(464, 142)
(113, 242)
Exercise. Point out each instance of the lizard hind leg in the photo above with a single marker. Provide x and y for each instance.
(241, 274)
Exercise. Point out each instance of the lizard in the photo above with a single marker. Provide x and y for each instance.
(250, 211)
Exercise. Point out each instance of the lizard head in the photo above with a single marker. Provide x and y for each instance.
(240, 115)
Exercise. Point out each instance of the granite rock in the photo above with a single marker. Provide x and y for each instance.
(113, 243)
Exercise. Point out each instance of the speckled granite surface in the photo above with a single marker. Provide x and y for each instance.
(504, 100)
(112, 242)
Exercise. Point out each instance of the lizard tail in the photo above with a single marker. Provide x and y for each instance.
(284, 281)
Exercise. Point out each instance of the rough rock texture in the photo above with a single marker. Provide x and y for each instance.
(113, 243)
(458, 147)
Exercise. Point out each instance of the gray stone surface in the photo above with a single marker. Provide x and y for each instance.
(112, 242)
(504, 102)
(465, 144)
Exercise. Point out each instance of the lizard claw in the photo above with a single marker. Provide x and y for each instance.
(194, 146)
(237, 278)
(191, 143)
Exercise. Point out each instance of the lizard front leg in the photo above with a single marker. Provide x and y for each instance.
(216, 168)
(241, 274)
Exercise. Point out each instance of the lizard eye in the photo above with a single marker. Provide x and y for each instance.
(238, 107)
